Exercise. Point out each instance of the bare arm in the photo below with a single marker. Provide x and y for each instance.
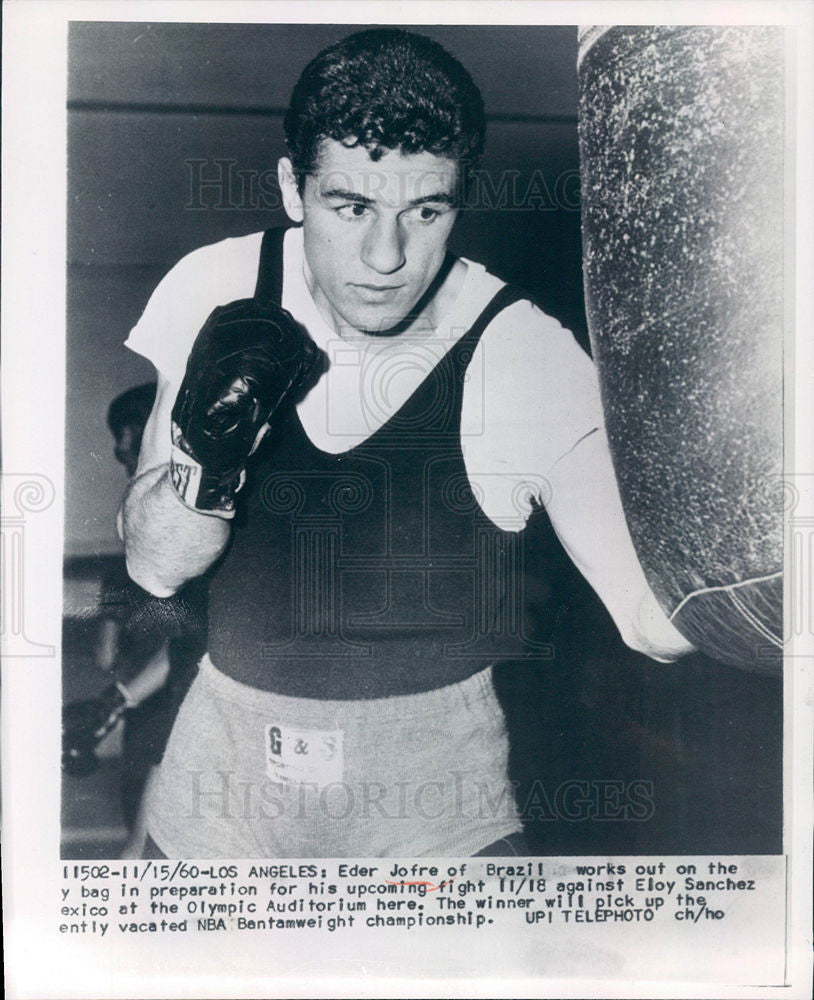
(106, 647)
(152, 676)
(540, 394)
(166, 542)
(586, 512)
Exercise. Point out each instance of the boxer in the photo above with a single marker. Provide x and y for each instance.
(356, 441)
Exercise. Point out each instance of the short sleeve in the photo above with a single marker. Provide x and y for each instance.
(208, 277)
(559, 384)
(531, 396)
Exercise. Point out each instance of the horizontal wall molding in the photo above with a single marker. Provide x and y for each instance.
(257, 111)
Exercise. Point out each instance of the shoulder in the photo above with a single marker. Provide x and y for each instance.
(525, 330)
(539, 363)
(522, 330)
(221, 263)
(207, 277)
(532, 394)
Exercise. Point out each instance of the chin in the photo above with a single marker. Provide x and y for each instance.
(376, 321)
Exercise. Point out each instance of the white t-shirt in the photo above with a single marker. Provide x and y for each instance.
(531, 420)
(530, 392)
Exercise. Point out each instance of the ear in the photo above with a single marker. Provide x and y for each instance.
(288, 187)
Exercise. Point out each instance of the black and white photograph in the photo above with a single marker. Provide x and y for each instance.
(429, 490)
(398, 584)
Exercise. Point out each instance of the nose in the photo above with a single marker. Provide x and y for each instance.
(383, 246)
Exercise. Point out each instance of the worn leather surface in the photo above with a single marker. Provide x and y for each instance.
(681, 147)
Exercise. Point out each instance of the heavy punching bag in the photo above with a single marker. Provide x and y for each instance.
(681, 149)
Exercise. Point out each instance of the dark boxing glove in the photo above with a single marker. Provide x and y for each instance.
(85, 723)
(247, 358)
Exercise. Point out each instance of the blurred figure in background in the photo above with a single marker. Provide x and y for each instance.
(149, 654)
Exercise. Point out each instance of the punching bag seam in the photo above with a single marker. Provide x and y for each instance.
(754, 621)
(725, 587)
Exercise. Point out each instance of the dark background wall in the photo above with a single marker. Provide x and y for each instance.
(148, 100)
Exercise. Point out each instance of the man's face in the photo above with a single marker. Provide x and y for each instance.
(375, 233)
(128, 443)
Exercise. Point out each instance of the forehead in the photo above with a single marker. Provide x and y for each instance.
(395, 179)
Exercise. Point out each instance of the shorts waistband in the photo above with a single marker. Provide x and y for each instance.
(468, 694)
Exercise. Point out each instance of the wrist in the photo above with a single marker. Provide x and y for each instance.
(199, 489)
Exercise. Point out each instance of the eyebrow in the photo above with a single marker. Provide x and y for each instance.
(360, 199)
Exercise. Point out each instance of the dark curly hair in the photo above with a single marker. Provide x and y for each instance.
(133, 406)
(385, 89)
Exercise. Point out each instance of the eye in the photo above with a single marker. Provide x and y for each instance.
(352, 212)
(424, 214)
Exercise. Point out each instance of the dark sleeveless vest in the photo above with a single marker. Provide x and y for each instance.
(373, 572)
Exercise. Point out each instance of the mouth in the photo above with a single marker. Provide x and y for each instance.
(375, 292)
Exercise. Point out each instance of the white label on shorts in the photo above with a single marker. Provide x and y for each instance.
(300, 755)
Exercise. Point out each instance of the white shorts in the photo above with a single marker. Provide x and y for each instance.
(252, 774)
